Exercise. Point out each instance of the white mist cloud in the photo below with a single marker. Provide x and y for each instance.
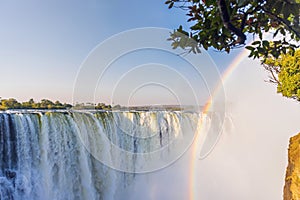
(250, 159)
(249, 162)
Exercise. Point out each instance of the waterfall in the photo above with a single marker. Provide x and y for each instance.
(84, 154)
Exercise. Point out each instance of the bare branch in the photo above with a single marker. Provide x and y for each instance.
(273, 70)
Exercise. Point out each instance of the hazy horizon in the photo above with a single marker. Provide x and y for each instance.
(45, 43)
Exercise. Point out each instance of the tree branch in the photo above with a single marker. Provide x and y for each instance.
(283, 21)
(227, 23)
(272, 70)
(246, 15)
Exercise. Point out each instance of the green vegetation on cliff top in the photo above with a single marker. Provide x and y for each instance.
(45, 104)
(11, 103)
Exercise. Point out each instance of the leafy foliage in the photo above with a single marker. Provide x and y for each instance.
(12, 103)
(9, 103)
(226, 24)
(103, 106)
(285, 71)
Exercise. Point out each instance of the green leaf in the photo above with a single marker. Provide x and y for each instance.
(171, 5)
(256, 43)
(276, 32)
(282, 31)
(250, 48)
(266, 43)
(227, 49)
(260, 35)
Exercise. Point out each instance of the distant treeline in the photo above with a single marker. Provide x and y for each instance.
(99, 106)
(12, 103)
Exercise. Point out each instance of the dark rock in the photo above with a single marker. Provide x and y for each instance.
(10, 174)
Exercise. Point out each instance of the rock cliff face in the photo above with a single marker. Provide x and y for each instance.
(292, 177)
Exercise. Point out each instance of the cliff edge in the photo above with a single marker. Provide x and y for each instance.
(292, 177)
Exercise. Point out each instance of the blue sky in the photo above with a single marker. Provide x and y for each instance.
(43, 43)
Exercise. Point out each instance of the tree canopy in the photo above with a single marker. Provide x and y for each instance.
(226, 24)
(285, 72)
(273, 25)
(11, 103)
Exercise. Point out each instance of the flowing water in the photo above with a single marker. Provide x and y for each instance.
(62, 154)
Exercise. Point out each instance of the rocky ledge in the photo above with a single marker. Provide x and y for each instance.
(292, 178)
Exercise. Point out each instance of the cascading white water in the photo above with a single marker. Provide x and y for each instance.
(55, 155)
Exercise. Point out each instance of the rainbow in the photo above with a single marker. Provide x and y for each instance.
(195, 146)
